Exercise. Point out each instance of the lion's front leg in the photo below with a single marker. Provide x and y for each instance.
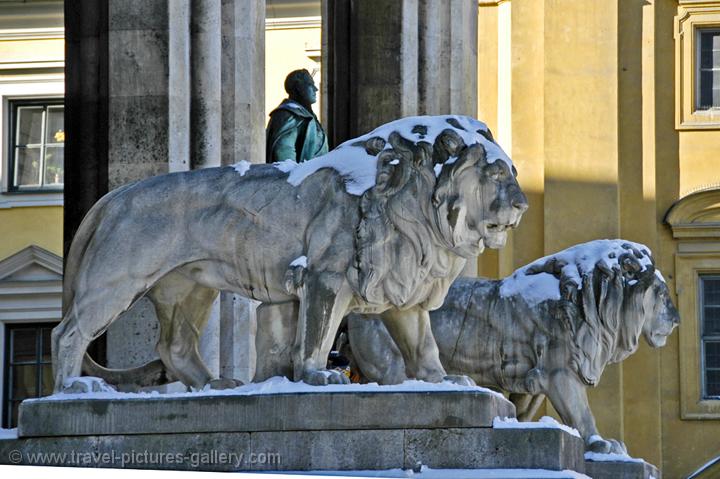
(324, 300)
(569, 397)
(411, 331)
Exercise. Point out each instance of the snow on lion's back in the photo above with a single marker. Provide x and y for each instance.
(359, 168)
(539, 287)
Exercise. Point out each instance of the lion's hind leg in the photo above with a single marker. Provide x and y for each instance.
(68, 348)
(183, 309)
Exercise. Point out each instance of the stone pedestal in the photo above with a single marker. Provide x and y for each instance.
(636, 469)
(301, 431)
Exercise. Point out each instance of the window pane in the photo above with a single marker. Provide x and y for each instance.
(712, 354)
(46, 345)
(54, 165)
(27, 166)
(706, 89)
(14, 410)
(47, 380)
(711, 291)
(24, 382)
(29, 125)
(711, 321)
(55, 132)
(712, 383)
(709, 76)
(24, 346)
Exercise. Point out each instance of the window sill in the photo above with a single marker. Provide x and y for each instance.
(20, 199)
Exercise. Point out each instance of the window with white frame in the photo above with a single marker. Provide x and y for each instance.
(37, 139)
(710, 335)
(708, 64)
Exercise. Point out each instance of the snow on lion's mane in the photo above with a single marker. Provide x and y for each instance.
(536, 288)
(359, 168)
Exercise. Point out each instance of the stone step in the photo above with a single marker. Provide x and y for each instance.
(634, 469)
(374, 449)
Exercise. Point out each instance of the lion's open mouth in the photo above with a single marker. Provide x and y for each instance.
(493, 228)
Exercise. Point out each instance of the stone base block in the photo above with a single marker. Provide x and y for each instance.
(306, 411)
(454, 448)
(621, 470)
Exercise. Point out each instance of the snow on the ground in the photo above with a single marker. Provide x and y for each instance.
(359, 168)
(8, 433)
(428, 473)
(536, 288)
(242, 167)
(545, 422)
(276, 385)
(611, 457)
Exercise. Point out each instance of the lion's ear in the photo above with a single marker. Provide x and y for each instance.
(469, 157)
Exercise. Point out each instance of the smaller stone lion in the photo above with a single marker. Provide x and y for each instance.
(549, 329)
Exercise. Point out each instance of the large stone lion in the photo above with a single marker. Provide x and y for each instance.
(382, 224)
(548, 329)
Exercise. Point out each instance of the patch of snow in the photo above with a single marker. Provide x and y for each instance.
(300, 261)
(286, 166)
(395, 162)
(242, 167)
(8, 434)
(359, 169)
(545, 422)
(429, 473)
(536, 288)
(611, 457)
(279, 385)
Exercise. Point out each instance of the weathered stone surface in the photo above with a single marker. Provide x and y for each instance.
(374, 449)
(276, 412)
(552, 449)
(621, 470)
(512, 334)
(252, 230)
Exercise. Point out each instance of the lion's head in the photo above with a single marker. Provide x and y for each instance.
(609, 294)
(442, 183)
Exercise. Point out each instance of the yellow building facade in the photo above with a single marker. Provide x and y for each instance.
(598, 103)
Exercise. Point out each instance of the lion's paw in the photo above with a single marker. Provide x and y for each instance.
(460, 380)
(86, 384)
(223, 383)
(605, 446)
(322, 377)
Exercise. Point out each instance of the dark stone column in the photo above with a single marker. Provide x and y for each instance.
(86, 110)
(386, 59)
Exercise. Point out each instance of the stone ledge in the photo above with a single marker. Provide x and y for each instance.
(455, 448)
(320, 411)
(621, 470)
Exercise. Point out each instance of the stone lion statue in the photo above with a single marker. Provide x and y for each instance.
(548, 329)
(382, 224)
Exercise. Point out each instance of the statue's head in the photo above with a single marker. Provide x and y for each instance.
(300, 86)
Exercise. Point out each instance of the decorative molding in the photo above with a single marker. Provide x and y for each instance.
(32, 255)
(696, 215)
(292, 23)
(25, 200)
(490, 3)
(691, 16)
(16, 34)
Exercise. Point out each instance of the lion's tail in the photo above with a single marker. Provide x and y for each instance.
(152, 373)
(80, 243)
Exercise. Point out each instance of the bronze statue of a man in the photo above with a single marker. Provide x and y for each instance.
(294, 132)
